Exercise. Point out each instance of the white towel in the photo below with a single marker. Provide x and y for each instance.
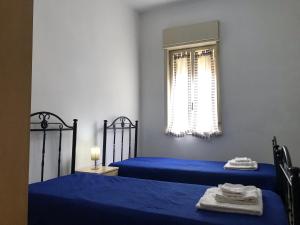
(242, 159)
(235, 163)
(250, 197)
(235, 189)
(228, 165)
(208, 202)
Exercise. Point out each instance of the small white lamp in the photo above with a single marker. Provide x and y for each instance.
(95, 155)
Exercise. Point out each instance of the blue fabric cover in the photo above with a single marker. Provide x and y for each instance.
(87, 199)
(195, 172)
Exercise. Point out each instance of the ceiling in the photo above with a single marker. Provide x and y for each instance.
(142, 5)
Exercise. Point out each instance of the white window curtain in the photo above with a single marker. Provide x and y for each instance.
(205, 102)
(193, 95)
(180, 95)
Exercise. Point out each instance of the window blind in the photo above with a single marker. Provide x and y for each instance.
(191, 34)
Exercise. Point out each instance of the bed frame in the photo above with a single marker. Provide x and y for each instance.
(40, 122)
(120, 124)
(288, 183)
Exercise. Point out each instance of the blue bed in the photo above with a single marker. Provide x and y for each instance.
(82, 199)
(195, 172)
(175, 170)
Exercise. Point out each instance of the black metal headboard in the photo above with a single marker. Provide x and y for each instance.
(121, 123)
(49, 122)
(288, 182)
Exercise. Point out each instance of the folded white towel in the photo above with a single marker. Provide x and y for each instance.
(235, 189)
(235, 163)
(208, 202)
(228, 165)
(242, 159)
(250, 197)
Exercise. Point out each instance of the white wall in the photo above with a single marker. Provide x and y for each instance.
(85, 66)
(260, 80)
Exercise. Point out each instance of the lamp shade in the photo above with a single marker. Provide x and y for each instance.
(95, 153)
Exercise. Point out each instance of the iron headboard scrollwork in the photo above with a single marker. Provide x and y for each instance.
(121, 123)
(288, 180)
(47, 122)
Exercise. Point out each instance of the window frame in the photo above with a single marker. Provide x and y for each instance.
(168, 52)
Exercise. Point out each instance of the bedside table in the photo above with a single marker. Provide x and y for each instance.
(104, 170)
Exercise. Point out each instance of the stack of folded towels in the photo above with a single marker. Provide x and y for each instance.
(241, 163)
(233, 198)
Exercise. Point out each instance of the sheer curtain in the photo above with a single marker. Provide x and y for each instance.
(205, 112)
(193, 95)
(180, 96)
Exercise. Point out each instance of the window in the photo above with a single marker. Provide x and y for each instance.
(193, 101)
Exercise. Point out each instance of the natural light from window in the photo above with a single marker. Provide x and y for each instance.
(193, 104)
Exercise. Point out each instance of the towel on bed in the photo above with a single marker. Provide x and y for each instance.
(231, 164)
(235, 189)
(250, 197)
(242, 159)
(208, 202)
(235, 163)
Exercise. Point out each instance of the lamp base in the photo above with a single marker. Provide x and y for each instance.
(95, 167)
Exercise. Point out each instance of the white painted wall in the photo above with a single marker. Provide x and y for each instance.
(85, 66)
(260, 79)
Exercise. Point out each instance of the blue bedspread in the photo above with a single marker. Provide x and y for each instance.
(87, 199)
(195, 172)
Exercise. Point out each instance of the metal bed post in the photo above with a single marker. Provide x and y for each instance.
(104, 143)
(274, 142)
(114, 143)
(278, 158)
(43, 155)
(135, 137)
(122, 139)
(59, 151)
(74, 146)
(129, 136)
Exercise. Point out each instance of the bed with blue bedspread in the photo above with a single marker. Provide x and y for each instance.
(88, 199)
(195, 172)
(174, 170)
